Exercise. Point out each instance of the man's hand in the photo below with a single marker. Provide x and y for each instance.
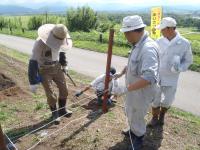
(118, 75)
(121, 90)
(78, 93)
(33, 88)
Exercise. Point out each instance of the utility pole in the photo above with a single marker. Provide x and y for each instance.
(109, 57)
(46, 17)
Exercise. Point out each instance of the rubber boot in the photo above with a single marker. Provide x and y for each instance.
(137, 142)
(163, 111)
(55, 115)
(154, 120)
(62, 110)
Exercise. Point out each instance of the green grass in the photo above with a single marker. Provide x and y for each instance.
(14, 54)
(185, 115)
(18, 32)
(40, 105)
(7, 112)
(103, 48)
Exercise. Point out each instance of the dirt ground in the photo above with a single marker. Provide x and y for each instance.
(87, 129)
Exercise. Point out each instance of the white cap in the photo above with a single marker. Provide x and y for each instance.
(132, 23)
(166, 22)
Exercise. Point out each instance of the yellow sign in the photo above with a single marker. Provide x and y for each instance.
(156, 15)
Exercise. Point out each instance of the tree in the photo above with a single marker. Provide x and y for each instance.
(82, 18)
(2, 23)
(197, 24)
(35, 22)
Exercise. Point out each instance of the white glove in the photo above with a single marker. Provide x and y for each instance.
(33, 88)
(117, 75)
(176, 64)
(120, 90)
(65, 69)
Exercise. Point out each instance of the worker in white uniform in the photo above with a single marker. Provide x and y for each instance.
(98, 84)
(175, 57)
(141, 74)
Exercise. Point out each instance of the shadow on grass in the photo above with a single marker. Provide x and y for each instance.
(152, 140)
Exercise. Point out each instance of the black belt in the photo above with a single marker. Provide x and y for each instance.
(50, 63)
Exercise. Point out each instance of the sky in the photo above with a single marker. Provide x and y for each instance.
(102, 2)
(82, 2)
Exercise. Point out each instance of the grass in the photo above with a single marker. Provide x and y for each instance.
(18, 32)
(185, 115)
(6, 112)
(39, 106)
(103, 48)
(14, 54)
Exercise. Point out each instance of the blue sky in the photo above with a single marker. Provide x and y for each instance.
(99, 2)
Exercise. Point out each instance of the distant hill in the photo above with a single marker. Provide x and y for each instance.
(12, 9)
(61, 8)
(17, 10)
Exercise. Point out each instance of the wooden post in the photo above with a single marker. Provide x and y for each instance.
(2, 140)
(101, 38)
(109, 56)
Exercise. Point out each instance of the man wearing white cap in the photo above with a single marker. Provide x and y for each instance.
(175, 57)
(141, 74)
(47, 63)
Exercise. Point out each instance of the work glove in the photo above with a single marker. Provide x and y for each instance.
(176, 64)
(117, 75)
(120, 90)
(65, 69)
(33, 88)
(78, 93)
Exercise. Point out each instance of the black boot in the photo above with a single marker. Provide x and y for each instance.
(55, 115)
(137, 142)
(62, 110)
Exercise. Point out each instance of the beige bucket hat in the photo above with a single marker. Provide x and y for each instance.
(55, 36)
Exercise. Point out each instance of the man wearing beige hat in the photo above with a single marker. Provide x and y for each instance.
(175, 57)
(141, 74)
(47, 63)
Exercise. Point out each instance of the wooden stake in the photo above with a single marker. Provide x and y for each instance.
(109, 57)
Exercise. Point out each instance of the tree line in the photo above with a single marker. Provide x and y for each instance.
(86, 19)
